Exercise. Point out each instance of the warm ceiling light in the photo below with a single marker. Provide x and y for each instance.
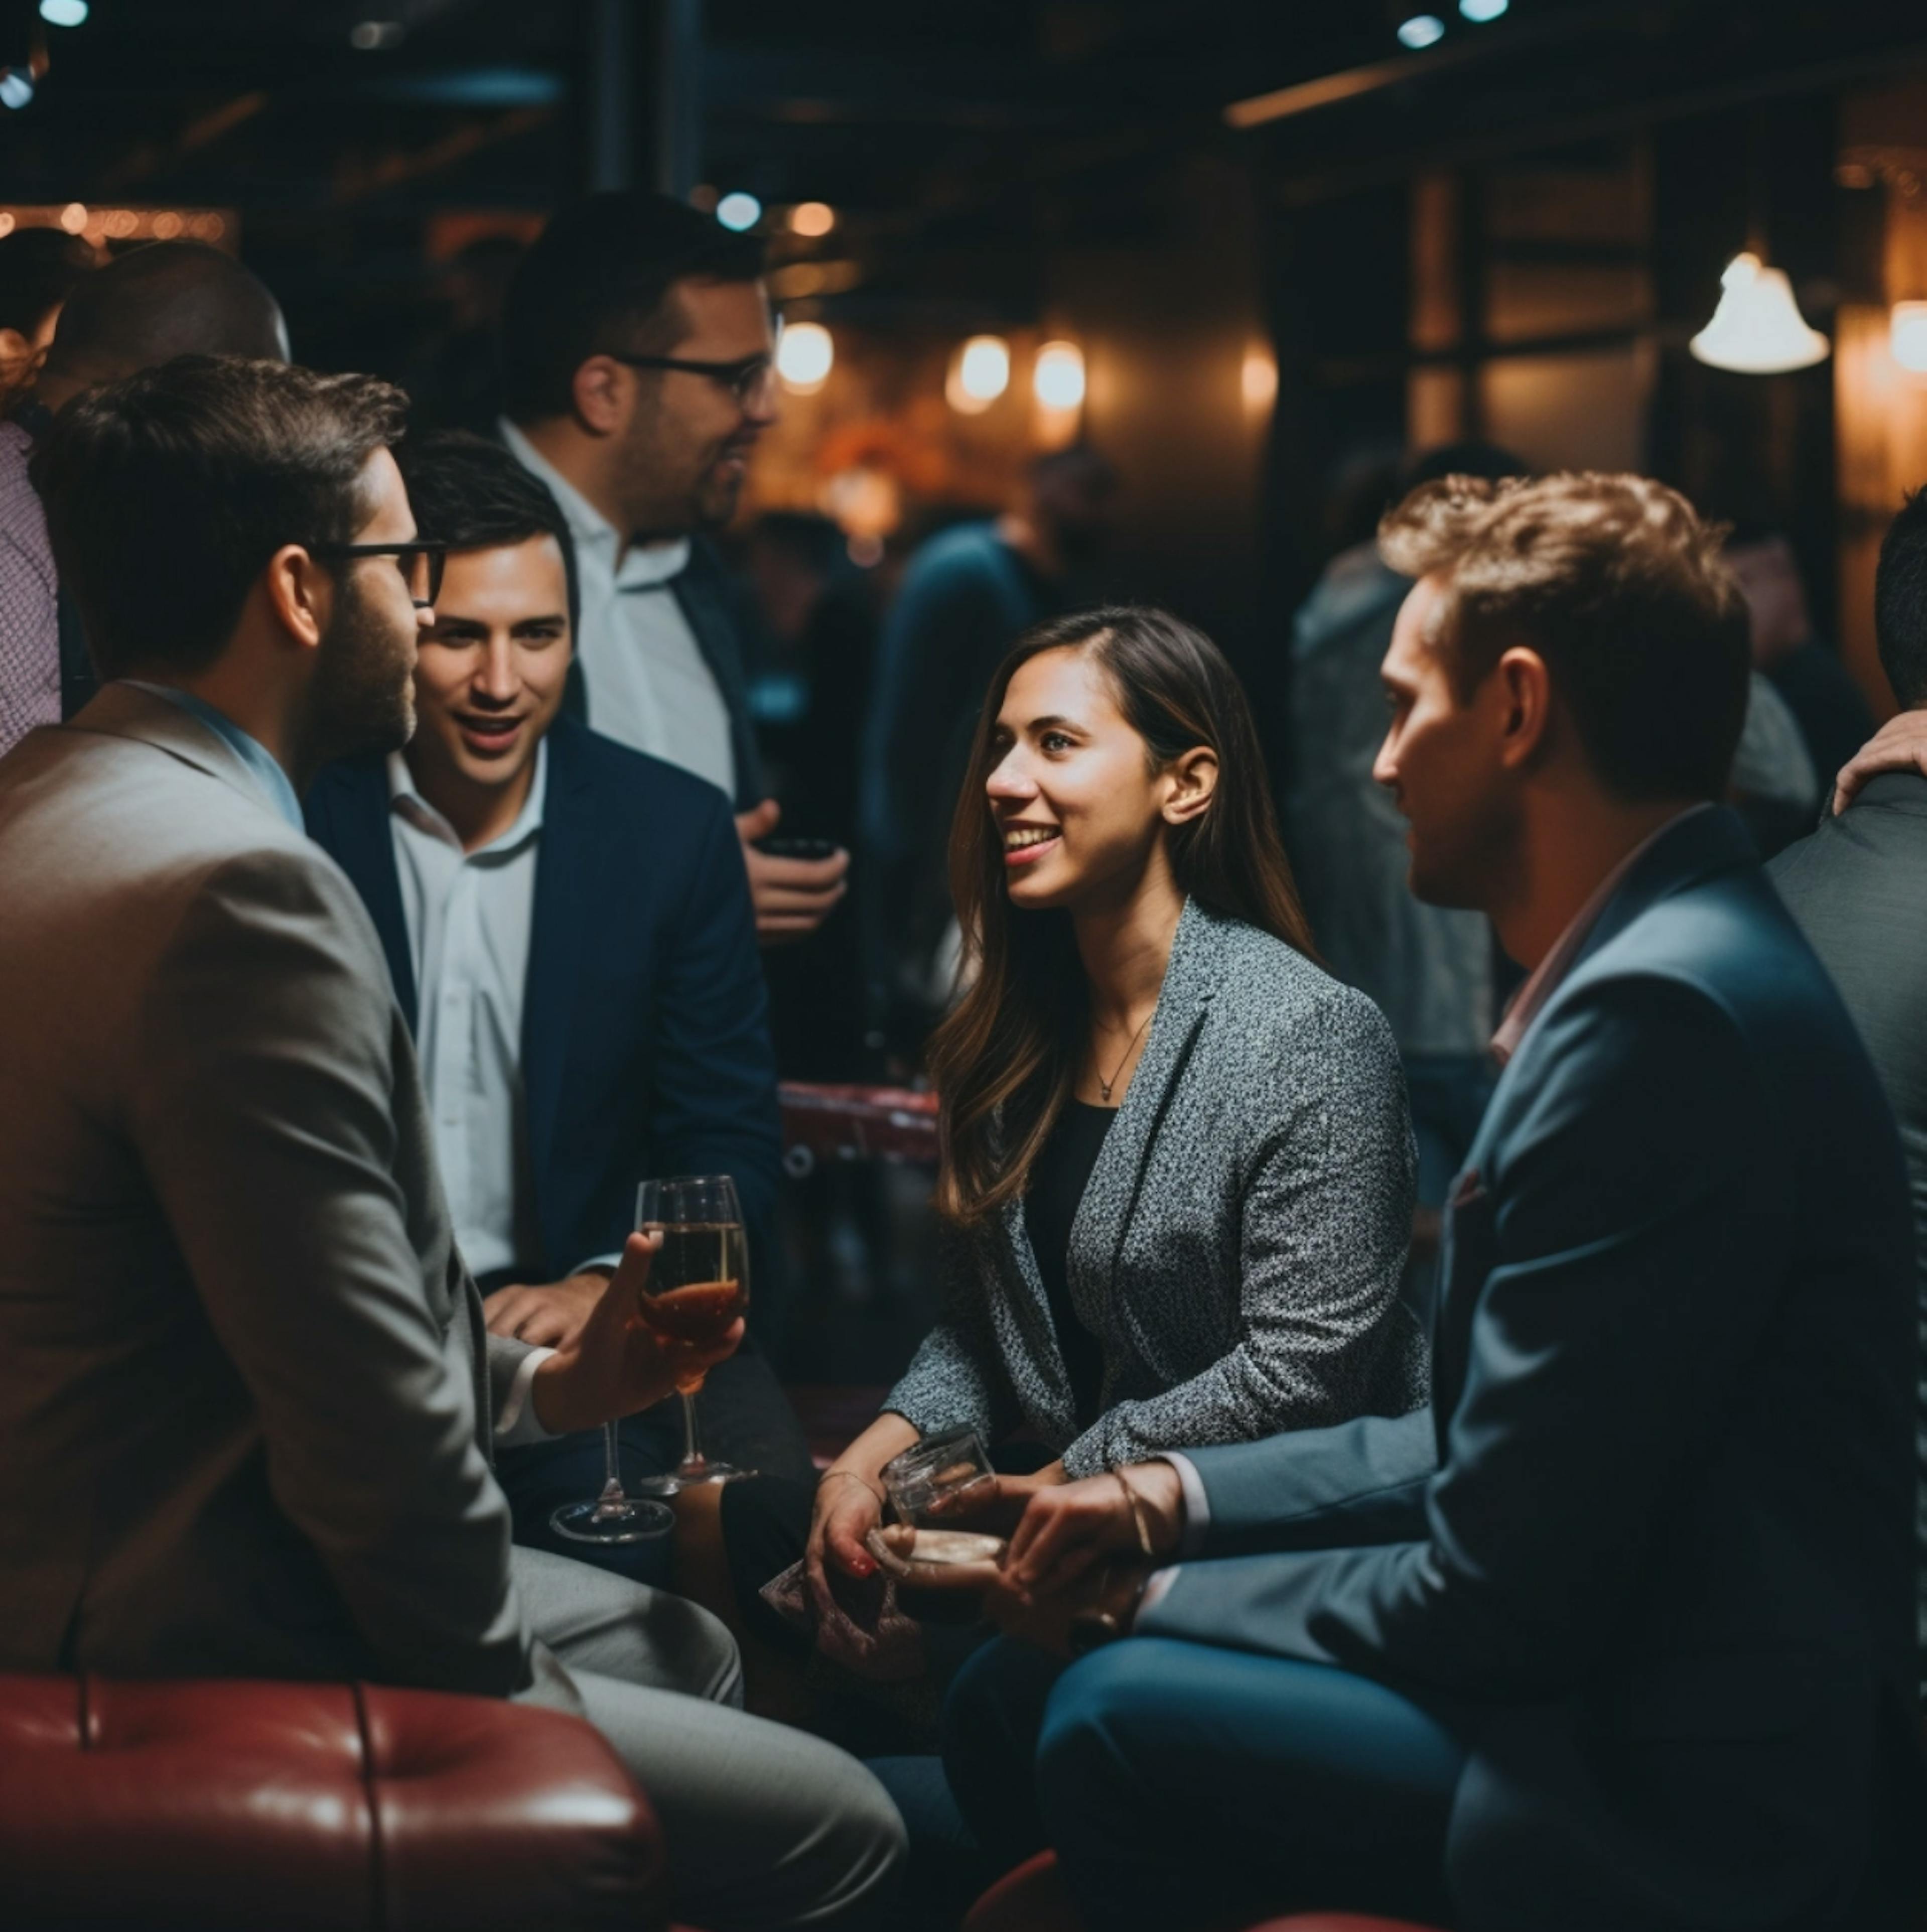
(1421, 30)
(1257, 380)
(739, 210)
(980, 374)
(1757, 328)
(805, 356)
(812, 218)
(1480, 11)
(1907, 336)
(1059, 377)
(74, 217)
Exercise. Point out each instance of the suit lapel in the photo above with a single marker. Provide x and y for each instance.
(700, 596)
(1183, 1001)
(563, 891)
(355, 803)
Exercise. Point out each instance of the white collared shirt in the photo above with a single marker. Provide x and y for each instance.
(648, 684)
(470, 915)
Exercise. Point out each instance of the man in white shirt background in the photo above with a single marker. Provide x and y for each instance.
(639, 355)
(569, 933)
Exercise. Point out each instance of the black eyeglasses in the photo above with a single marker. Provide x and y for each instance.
(421, 564)
(746, 378)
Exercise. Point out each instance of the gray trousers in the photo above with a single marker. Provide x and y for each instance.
(766, 1826)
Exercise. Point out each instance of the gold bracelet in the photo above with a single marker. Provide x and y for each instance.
(1137, 1508)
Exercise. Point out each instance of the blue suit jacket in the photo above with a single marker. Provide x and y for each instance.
(645, 1044)
(1648, 1553)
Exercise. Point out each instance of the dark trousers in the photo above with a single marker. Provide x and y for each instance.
(745, 1419)
(1185, 1785)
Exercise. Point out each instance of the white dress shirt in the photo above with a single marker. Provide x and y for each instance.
(648, 684)
(470, 918)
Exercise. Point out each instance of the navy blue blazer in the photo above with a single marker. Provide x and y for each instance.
(645, 1041)
(1648, 1554)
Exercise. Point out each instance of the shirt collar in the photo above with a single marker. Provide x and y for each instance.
(643, 566)
(261, 763)
(409, 803)
(1526, 1004)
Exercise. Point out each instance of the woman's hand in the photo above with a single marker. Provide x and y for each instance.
(1066, 1527)
(848, 1507)
(995, 1504)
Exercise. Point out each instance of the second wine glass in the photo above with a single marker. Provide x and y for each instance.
(698, 1285)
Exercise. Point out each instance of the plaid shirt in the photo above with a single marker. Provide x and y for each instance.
(29, 607)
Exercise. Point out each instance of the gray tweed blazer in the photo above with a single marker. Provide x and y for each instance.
(1238, 1250)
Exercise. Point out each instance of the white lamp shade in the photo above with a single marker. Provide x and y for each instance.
(1757, 328)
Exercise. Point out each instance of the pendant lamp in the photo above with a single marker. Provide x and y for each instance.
(1757, 328)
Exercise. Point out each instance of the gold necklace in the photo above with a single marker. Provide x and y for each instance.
(1103, 1085)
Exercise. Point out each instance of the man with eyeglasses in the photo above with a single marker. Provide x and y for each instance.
(639, 365)
(248, 1406)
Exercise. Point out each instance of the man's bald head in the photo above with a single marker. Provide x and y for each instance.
(153, 303)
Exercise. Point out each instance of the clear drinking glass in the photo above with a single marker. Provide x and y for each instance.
(698, 1285)
(613, 1517)
(933, 1478)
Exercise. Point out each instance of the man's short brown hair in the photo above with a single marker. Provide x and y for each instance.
(1618, 584)
(167, 493)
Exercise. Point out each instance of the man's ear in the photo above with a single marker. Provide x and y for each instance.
(1193, 779)
(602, 390)
(1522, 688)
(300, 595)
(17, 353)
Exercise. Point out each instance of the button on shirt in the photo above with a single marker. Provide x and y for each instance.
(648, 684)
(470, 918)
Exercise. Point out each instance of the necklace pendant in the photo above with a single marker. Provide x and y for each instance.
(1104, 1088)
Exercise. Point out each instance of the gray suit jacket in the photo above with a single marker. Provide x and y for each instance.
(1857, 888)
(245, 1390)
(1237, 1249)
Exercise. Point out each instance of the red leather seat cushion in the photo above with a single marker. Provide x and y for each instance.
(228, 1803)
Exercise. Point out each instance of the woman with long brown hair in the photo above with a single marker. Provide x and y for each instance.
(1176, 1158)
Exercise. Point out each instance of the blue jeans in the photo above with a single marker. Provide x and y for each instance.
(1181, 1784)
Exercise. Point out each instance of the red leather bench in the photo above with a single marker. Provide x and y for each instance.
(225, 1806)
(1034, 1898)
(828, 1123)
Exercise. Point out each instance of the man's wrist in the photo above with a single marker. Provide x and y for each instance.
(556, 1396)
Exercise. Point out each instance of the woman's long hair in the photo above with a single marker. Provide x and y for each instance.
(1004, 1058)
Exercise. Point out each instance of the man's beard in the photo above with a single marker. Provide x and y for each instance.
(662, 500)
(362, 698)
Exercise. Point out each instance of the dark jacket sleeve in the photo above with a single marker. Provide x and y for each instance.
(1634, 1214)
(714, 1106)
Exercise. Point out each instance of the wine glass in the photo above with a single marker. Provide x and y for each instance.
(698, 1285)
(613, 1517)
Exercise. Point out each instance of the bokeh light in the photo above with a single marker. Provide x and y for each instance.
(805, 356)
(739, 210)
(979, 374)
(812, 218)
(1059, 377)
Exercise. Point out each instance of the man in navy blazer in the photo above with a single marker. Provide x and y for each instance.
(582, 913)
(1617, 1637)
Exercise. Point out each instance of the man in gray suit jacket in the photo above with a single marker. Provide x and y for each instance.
(1858, 889)
(1618, 1637)
(247, 1403)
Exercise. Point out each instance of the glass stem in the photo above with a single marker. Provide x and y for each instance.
(692, 1457)
(611, 1501)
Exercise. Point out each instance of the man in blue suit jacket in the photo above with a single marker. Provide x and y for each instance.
(582, 915)
(1616, 1638)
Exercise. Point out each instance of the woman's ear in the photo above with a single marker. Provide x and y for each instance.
(1191, 782)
